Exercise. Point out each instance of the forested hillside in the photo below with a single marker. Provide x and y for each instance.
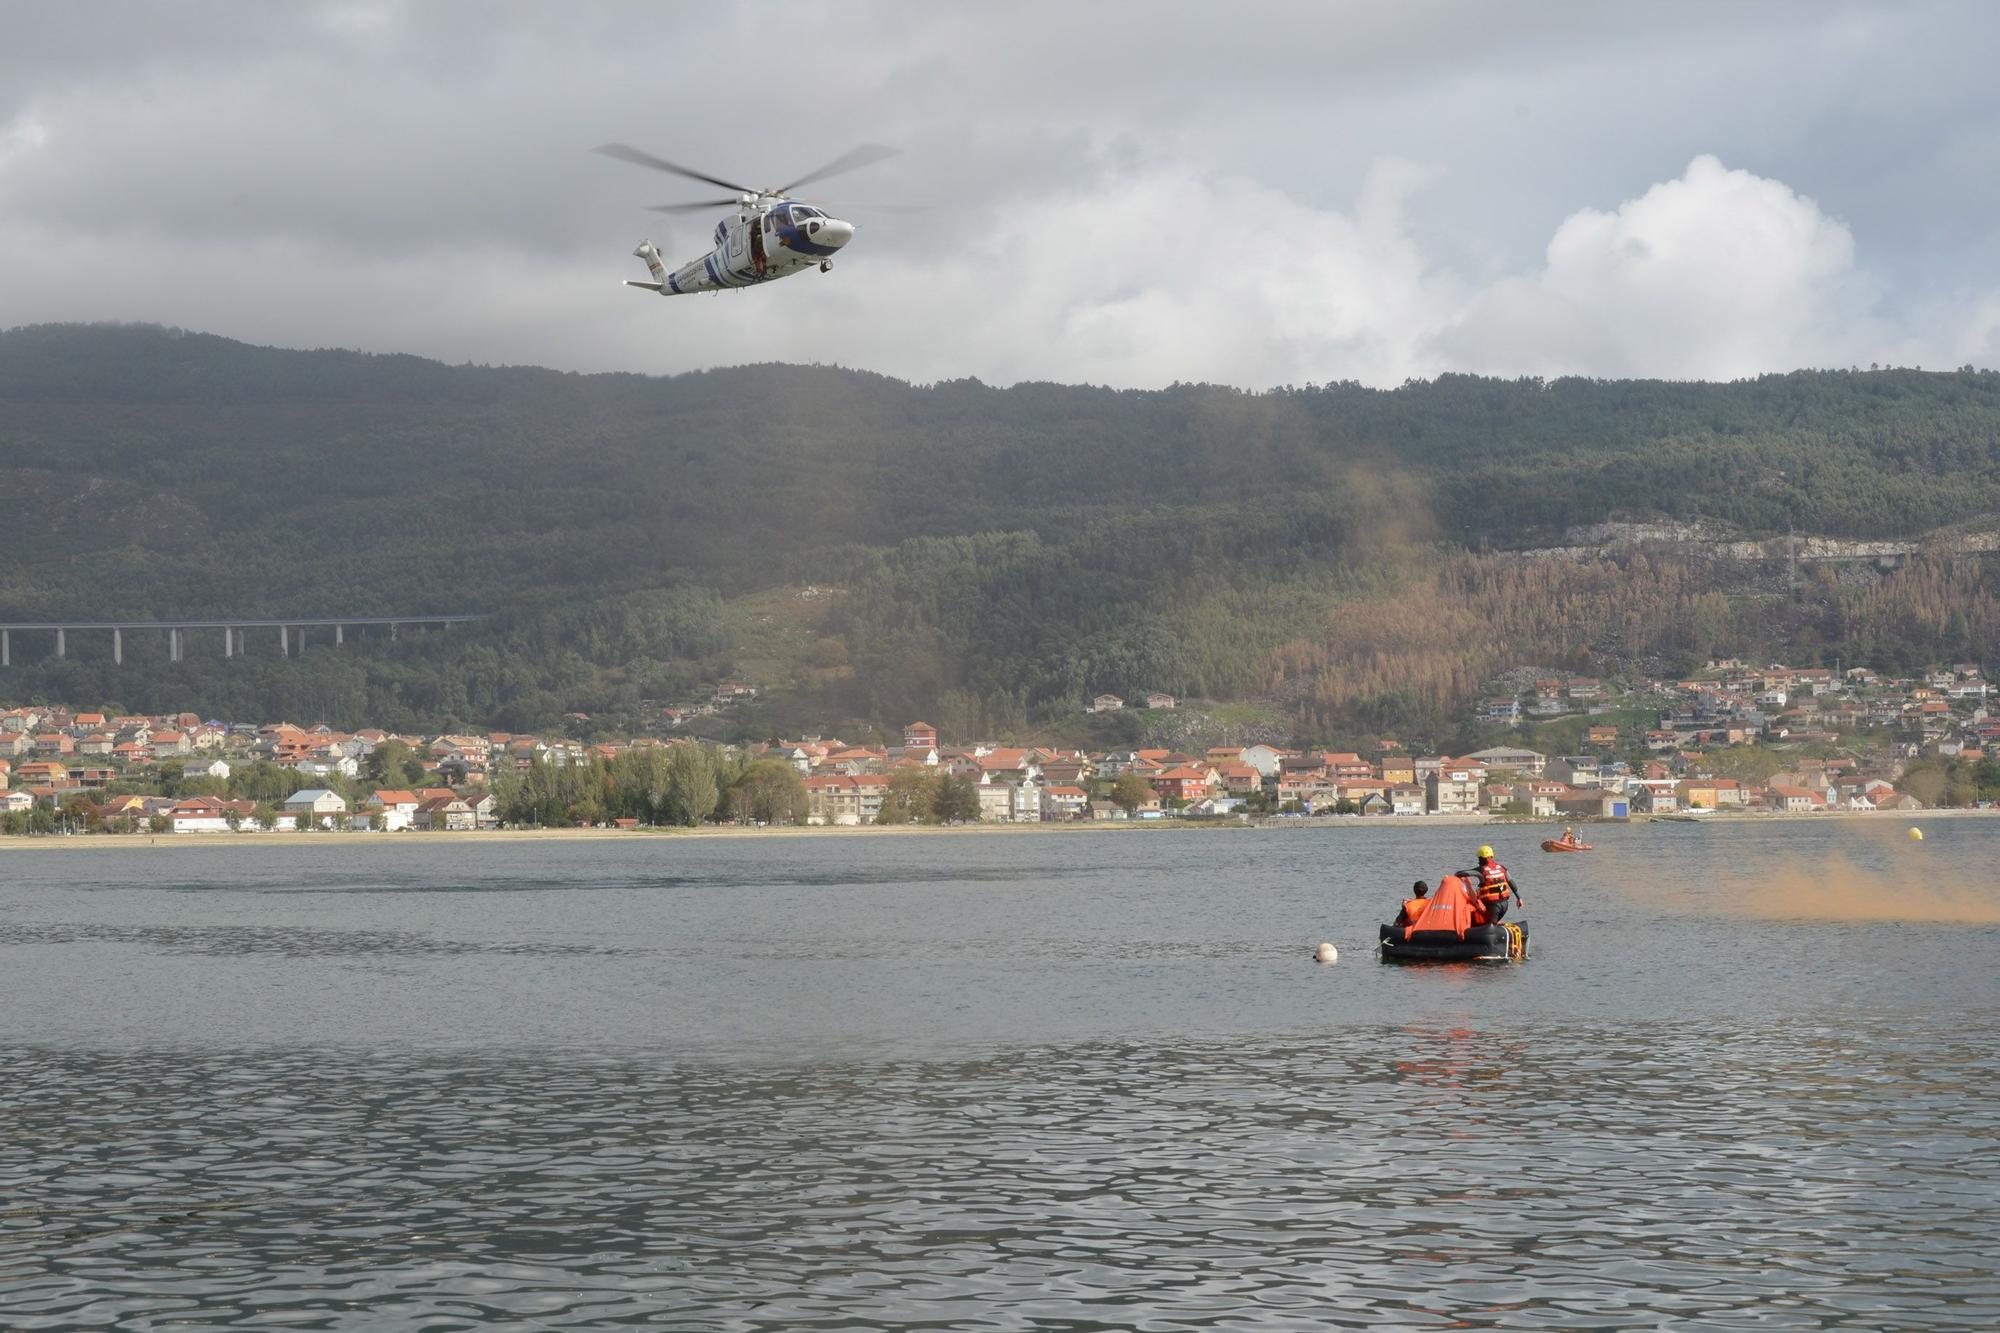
(1001, 553)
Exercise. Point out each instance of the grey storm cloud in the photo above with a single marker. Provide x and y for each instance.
(1122, 193)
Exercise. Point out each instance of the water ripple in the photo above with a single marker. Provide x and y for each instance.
(285, 941)
(1564, 1179)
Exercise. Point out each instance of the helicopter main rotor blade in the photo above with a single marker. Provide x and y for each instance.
(627, 153)
(700, 206)
(852, 159)
(862, 206)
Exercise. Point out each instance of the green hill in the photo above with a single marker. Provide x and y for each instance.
(996, 554)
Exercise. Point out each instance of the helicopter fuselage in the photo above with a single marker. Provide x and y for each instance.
(769, 237)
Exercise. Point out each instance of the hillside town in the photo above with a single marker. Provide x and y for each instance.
(1734, 738)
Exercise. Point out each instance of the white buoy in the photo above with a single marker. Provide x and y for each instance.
(1326, 953)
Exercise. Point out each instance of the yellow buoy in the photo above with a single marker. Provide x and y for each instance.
(1916, 834)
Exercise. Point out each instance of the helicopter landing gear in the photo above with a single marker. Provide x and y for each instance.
(826, 266)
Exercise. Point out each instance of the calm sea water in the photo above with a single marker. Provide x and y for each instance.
(1078, 1081)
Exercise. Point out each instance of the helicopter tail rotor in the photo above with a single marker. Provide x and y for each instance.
(647, 251)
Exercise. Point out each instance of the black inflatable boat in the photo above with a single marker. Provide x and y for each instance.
(1499, 943)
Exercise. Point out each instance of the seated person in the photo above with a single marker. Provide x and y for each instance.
(1413, 906)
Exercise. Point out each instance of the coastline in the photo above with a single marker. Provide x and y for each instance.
(365, 838)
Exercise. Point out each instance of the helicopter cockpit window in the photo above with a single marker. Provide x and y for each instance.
(801, 212)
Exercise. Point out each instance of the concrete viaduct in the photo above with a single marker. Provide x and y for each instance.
(235, 633)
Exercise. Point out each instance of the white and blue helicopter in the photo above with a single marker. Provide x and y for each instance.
(771, 236)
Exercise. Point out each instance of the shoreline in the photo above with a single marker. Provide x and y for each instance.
(367, 838)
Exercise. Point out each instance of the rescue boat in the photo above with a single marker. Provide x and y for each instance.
(1449, 931)
(1558, 845)
(1503, 942)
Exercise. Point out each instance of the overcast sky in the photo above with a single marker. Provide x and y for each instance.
(1131, 194)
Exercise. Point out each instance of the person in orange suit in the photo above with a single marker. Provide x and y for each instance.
(1493, 884)
(1414, 905)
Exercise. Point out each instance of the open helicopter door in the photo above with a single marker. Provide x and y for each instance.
(737, 251)
(759, 259)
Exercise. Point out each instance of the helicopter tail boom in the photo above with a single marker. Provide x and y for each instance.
(661, 283)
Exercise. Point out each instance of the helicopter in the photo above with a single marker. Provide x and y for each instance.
(771, 236)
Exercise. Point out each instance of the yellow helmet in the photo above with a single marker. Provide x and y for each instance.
(1485, 853)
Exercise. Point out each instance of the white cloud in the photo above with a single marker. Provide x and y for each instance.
(1714, 275)
(21, 137)
(1167, 275)
(1978, 341)
(1159, 276)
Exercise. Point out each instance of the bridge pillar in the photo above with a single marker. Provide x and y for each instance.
(6, 647)
(228, 642)
(173, 645)
(339, 636)
(285, 640)
(392, 631)
(62, 644)
(117, 647)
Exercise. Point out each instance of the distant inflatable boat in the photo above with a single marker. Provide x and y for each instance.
(1500, 943)
(1558, 845)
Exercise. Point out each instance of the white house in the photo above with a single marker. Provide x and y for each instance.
(346, 766)
(1105, 703)
(996, 802)
(1531, 762)
(1795, 800)
(446, 812)
(1577, 770)
(205, 814)
(1655, 796)
(1263, 758)
(1010, 802)
(1064, 802)
(397, 808)
(315, 804)
(1217, 805)
(1452, 790)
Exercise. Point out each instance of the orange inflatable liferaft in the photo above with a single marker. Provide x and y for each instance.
(1451, 908)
